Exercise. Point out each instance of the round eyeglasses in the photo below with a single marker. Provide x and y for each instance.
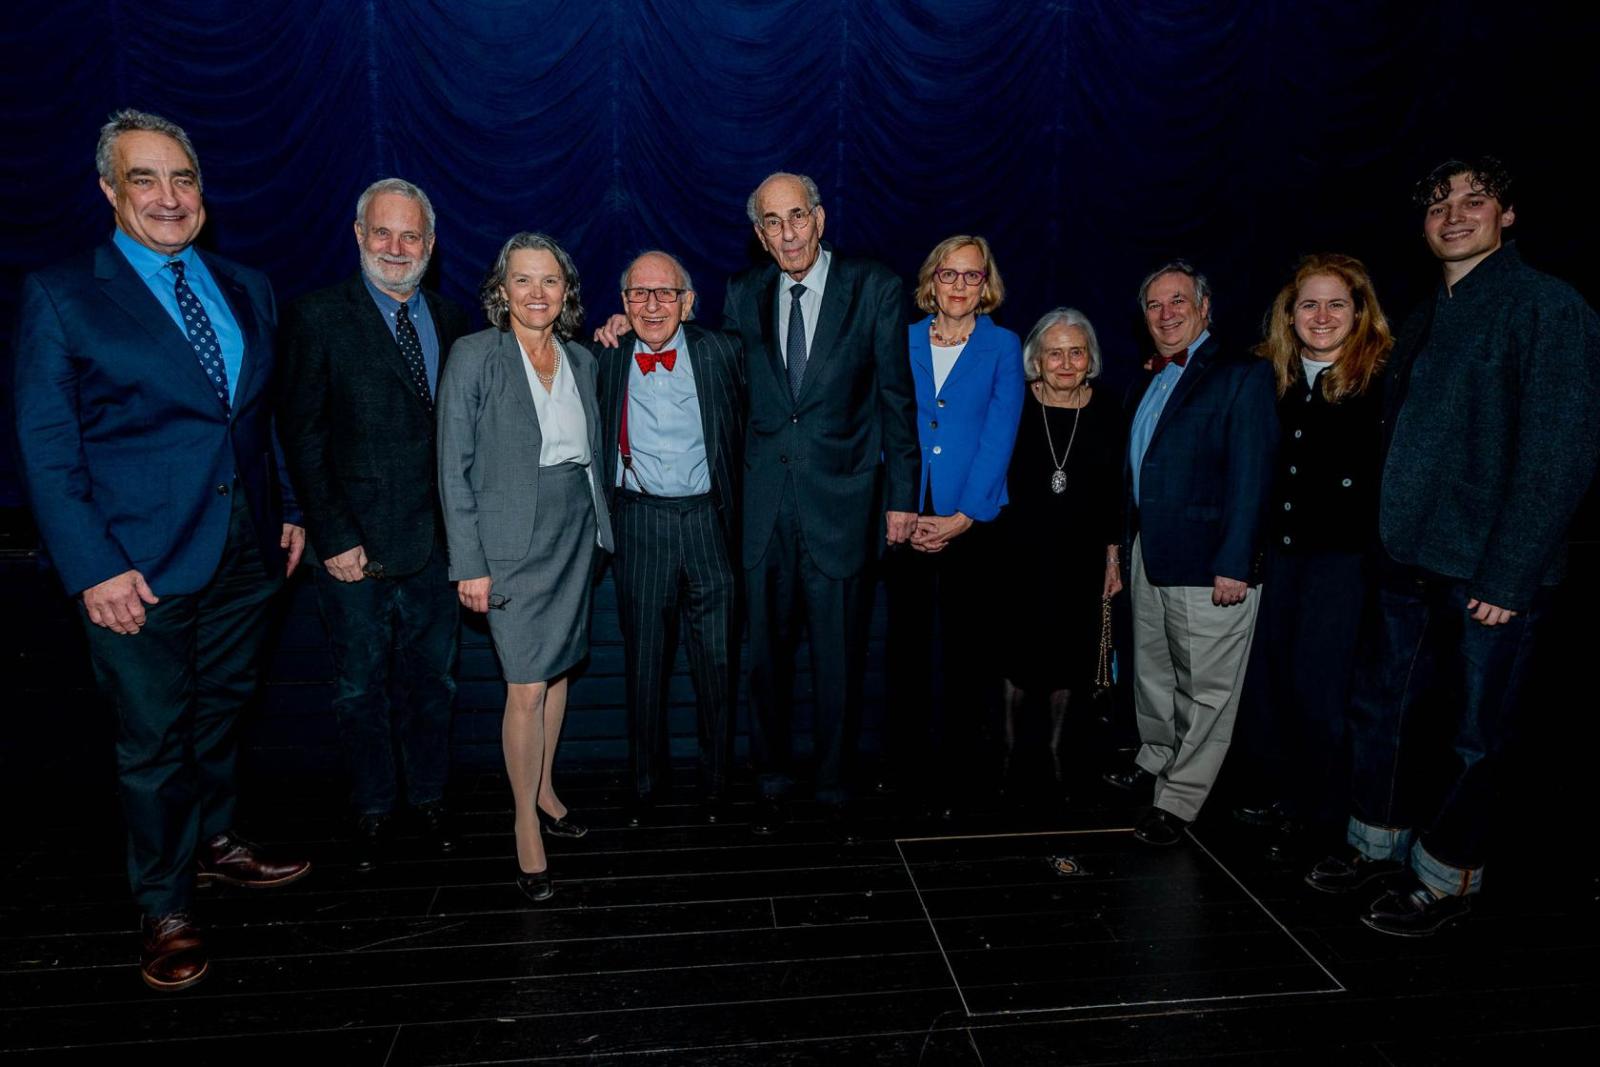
(798, 220)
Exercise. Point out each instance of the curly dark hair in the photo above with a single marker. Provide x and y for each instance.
(1487, 175)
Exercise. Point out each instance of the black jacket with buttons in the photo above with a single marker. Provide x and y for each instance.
(1325, 494)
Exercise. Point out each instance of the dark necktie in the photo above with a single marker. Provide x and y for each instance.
(649, 361)
(1158, 362)
(795, 350)
(197, 324)
(411, 347)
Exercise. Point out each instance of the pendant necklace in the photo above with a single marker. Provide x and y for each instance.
(1058, 477)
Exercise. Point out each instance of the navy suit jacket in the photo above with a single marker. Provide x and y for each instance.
(849, 440)
(972, 421)
(128, 457)
(1206, 476)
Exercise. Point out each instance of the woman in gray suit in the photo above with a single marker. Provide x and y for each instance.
(518, 432)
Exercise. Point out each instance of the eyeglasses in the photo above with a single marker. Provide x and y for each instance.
(798, 220)
(639, 295)
(948, 276)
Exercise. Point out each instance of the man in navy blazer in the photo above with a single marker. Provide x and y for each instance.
(361, 366)
(144, 425)
(831, 458)
(1200, 453)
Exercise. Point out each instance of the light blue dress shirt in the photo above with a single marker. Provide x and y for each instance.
(151, 267)
(1149, 413)
(421, 318)
(665, 432)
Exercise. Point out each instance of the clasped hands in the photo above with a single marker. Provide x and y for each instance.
(930, 533)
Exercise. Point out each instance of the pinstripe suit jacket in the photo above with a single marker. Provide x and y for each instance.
(719, 379)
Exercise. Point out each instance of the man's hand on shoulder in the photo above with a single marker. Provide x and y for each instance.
(612, 331)
(293, 542)
(118, 603)
(1488, 614)
(349, 565)
(1226, 592)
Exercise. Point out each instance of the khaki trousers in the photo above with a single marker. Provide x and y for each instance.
(1189, 659)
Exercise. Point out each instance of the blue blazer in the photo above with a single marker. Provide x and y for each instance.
(1206, 476)
(967, 428)
(128, 457)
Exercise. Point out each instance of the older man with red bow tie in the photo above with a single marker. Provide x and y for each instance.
(672, 401)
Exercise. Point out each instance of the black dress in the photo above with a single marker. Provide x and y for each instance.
(1051, 547)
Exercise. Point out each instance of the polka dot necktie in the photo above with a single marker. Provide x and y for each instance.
(795, 351)
(197, 324)
(411, 347)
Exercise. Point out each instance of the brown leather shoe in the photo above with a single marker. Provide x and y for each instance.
(231, 860)
(173, 956)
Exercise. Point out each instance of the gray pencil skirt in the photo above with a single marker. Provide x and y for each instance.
(543, 630)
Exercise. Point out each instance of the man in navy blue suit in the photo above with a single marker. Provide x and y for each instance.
(143, 372)
(1199, 465)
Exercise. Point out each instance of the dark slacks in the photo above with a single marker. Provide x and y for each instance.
(783, 591)
(1291, 720)
(939, 661)
(673, 580)
(403, 629)
(177, 688)
(1424, 647)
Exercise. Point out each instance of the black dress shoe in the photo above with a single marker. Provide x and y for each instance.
(842, 825)
(1160, 828)
(640, 811)
(535, 887)
(769, 816)
(372, 834)
(1415, 912)
(435, 820)
(1337, 874)
(713, 809)
(172, 955)
(1134, 779)
(1259, 814)
(562, 827)
(231, 860)
(1285, 840)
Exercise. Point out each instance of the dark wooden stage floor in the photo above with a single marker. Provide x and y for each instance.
(686, 943)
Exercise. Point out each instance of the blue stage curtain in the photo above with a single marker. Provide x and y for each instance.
(1087, 139)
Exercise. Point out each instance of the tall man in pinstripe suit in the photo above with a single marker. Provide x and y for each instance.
(672, 400)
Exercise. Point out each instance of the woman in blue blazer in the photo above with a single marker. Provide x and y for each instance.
(968, 377)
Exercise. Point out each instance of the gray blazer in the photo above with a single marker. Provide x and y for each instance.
(489, 451)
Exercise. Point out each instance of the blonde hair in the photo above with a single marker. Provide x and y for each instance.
(994, 290)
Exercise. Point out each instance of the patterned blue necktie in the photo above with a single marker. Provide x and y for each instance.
(405, 335)
(197, 324)
(795, 351)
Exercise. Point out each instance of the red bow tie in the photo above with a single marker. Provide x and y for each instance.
(648, 361)
(1158, 362)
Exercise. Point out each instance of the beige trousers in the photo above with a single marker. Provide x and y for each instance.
(1189, 659)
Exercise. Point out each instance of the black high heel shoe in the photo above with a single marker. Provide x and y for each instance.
(535, 887)
(562, 827)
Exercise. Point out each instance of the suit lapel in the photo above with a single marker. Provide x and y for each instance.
(1198, 364)
(706, 384)
(922, 353)
(767, 309)
(123, 286)
(517, 382)
(976, 352)
(835, 301)
(377, 338)
(257, 342)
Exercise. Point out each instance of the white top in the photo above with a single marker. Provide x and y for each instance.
(944, 360)
(1313, 368)
(810, 302)
(563, 429)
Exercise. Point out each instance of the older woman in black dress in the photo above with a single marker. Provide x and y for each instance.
(1059, 535)
(519, 429)
(1328, 341)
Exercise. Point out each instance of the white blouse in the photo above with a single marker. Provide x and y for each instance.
(563, 428)
(944, 361)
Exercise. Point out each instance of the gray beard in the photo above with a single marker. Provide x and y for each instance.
(370, 266)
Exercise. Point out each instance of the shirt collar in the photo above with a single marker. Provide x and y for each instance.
(147, 262)
(1500, 261)
(817, 277)
(677, 341)
(388, 304)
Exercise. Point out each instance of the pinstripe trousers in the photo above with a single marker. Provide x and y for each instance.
(673, 579)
